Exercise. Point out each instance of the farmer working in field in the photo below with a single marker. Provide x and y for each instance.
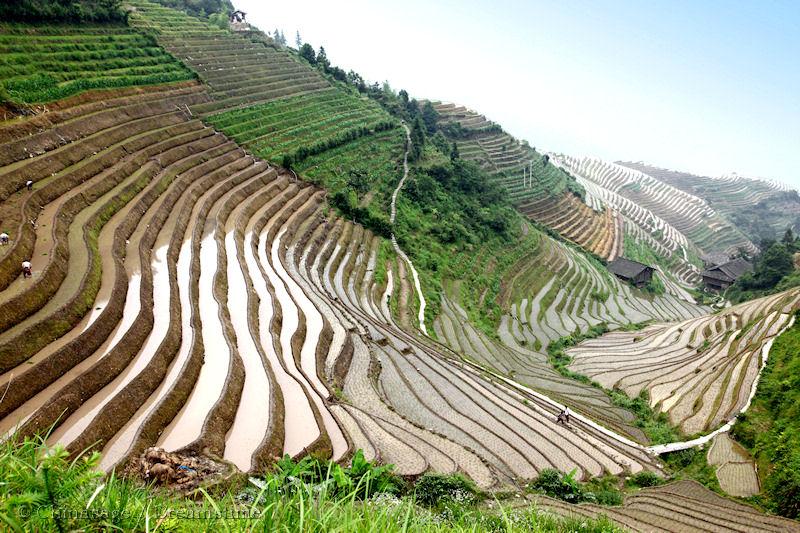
(3, 238)
(26, 269)
(29, 185)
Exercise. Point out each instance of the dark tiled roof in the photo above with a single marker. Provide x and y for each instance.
(716, 258)
(717, 275)
(626, 268)
(729, 271)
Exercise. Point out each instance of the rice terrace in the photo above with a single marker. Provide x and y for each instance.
(239, 280)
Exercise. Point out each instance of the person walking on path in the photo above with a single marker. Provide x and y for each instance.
(563, 416)
(3, 238)
(26, 269)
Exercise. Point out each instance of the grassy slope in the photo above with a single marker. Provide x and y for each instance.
(282, 127)
(45, 63)
(364, 169)
(448, 230)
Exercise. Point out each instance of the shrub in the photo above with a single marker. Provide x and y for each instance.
(604, 497)
(680, 458)
(655, 286)
(557, 349)
(603, 490)
(558, 485)
(361, 479)
(40, 490)
(783, 482)
(655, 424)
(436, 489)
(38, 481)
(644, 479)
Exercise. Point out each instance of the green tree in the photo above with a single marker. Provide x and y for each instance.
(307, 53)
(417, 139)
(297, 40)
(412, 109)
(219, 20)
(430, 117)
(454, 152)
(322, 59)
(788, 237)
(773, 265)
(278, 37)
(441, 143)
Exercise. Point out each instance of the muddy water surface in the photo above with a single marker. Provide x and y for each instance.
(252, 416)
(300, 425)
(307, 354)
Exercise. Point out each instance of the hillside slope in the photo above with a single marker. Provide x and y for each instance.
(43, 63)
(700, 371)
(190, 292)
(759, 208)
(180, 289)
(541, 191)
(677, 220)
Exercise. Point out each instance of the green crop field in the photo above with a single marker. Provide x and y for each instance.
(40, 64)
(371, 165)
(303, 125)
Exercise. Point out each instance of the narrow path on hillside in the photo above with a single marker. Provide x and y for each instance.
(397, 249)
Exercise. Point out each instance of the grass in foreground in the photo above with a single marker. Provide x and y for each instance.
(43, 490)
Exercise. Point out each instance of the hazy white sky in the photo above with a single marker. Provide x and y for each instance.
(705, 86)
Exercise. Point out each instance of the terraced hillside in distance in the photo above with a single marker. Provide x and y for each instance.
(641, 225)
(762, 209)
(540, 190)
(199, 285)
(701, 371)
(684, 223)
(545, 307)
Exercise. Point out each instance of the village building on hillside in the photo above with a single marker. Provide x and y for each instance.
(711, 260)
(633, 272)
(238, 22)
(720, 277)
